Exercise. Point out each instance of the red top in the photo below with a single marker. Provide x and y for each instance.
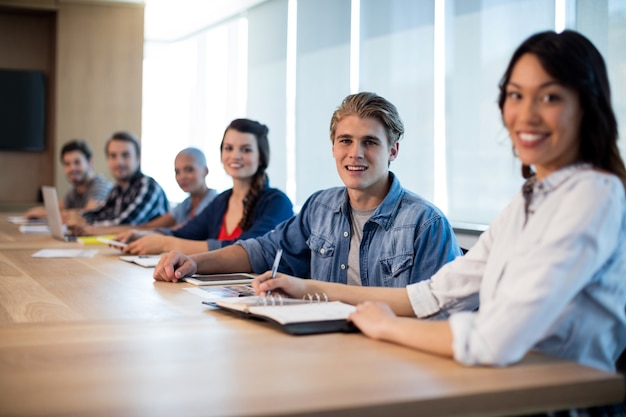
(225, 236)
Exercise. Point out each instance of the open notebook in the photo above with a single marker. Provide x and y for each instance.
(298, 317)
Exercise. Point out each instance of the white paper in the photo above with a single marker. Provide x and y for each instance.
(220, 292)
(147, 261)
(65, 253)
(23, 220)
(34, 228)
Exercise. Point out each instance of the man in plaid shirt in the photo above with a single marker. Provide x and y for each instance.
(135, 198)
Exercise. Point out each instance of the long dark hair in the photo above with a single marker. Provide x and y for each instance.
(259, 179)
(575, 62)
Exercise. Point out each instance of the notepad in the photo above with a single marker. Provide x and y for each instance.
(298, 317)
(93, 240)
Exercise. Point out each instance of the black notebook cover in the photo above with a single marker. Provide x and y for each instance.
(296, 327)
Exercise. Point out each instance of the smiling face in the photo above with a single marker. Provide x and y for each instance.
(542, 116)
(190, 175)
(77, 167)
(240, 154)
(362, 156)
(122, 159)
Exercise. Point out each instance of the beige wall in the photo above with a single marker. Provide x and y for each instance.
(92, 54)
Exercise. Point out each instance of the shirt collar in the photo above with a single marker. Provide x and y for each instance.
(385, 213)
(534, 192)
(558, 177)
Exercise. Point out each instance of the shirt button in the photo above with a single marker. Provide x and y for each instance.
(322, 251)
(343, 266)
(345, 234)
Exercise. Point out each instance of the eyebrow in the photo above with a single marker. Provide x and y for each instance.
(544, 85)
(366, 137)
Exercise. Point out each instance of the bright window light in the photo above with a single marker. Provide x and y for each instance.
(440, 176)
(292, 32)
(355, 45)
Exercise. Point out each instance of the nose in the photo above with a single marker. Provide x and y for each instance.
(236, 154)
(356, 150)
(528, 111)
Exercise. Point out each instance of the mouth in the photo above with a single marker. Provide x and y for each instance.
(531, 139)
(355, 168)
(235, 165)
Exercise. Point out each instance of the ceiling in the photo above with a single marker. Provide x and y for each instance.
(171, 20)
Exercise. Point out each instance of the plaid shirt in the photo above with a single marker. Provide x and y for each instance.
(142, 200)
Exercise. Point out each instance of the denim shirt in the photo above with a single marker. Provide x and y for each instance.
(406, 240)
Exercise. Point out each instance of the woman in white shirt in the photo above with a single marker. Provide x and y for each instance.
(550, 272)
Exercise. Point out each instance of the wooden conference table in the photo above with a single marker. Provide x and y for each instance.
(98, 336)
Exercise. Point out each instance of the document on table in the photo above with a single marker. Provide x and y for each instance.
(23, 220)
(222, 291)
(147, 261)
(34, 228)
(65, 253)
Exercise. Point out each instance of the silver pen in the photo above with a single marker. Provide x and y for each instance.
(279, 254)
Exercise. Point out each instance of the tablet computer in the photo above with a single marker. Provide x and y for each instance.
(220, 279)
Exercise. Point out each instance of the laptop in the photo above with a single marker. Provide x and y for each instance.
(51, 201)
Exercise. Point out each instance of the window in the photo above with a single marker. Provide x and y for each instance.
(289, 63)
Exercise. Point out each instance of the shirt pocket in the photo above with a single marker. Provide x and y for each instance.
(322, 258)
(320, 247)
(394, 266)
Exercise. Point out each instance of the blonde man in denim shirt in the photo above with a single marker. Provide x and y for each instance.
(372, 232)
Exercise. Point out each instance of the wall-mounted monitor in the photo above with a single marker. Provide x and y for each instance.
(22, 110)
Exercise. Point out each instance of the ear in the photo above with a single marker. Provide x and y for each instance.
(393, 151)
(206, 171)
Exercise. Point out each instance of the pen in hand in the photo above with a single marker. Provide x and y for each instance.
(279, 253)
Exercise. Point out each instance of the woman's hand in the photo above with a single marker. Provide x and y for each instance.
(130, 235)
(373, 319)
(148, 245)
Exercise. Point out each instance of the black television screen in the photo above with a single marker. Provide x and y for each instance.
(22, 110)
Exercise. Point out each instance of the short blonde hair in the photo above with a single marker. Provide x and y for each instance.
(370, 105)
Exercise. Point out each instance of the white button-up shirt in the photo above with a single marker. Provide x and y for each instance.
(555, 283)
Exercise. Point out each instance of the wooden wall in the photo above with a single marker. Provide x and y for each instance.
(92, 54)
(27, 42)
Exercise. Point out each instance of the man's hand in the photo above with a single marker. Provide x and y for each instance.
(173, 266)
